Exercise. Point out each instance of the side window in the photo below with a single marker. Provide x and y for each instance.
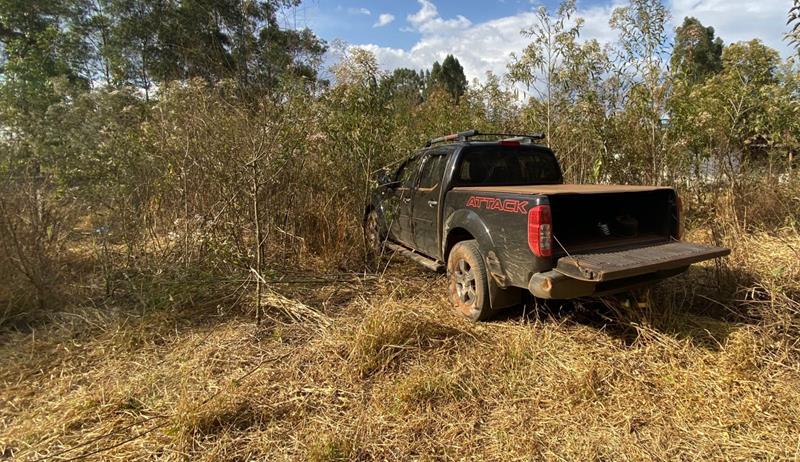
(408, 173)
(432, 171)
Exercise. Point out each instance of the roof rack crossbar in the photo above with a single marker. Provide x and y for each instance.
(531, 136)
(466, 135)
(460, 136)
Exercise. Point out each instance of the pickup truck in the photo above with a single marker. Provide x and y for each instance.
(494, 211)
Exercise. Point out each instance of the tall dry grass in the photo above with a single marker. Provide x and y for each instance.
(387, 372)
(147, 349)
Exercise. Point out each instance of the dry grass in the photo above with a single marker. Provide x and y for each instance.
(382, 370)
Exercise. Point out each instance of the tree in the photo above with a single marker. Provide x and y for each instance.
(794, 20)
(152, 41)
(588, 95)
(450, 76)
(696, 57)
(132, 48)
(541, 60)
(39, 45)
(736, 116)
(499, 104)
(405, 84)
(358, 68)
(641, 51)
(567, 81)
(41, 64)
(696, 54)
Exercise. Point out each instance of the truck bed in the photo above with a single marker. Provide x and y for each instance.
(589, 217)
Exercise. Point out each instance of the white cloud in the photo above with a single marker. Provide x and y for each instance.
(737, 20)
(479, 47)
(486, 46)
(427, 12)
(363, 11)
(384, 19)
(428, 21)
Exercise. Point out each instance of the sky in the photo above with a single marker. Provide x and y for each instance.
(482, 34)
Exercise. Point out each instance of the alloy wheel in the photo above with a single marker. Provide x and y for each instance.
(465, 283)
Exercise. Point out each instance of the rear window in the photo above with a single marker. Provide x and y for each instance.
(507, 165)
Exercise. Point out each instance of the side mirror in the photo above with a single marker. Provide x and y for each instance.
(384, 179)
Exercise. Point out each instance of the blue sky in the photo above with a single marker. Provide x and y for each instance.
(482, 34)
(357, 21)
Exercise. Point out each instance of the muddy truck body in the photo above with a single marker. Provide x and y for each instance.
(498, 217)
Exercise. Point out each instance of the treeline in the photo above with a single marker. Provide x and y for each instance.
(189, 140)
(149, 43)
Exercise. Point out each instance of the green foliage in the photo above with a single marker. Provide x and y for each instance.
(150, 41)
(642, 46)
(794, 20)
(736, 116)
(40, 60)
(405, 84)
(696, 54)
(450, 76)
(170, 179)
(551, 51)
(572, 97)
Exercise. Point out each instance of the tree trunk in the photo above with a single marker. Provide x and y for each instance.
(258, 246)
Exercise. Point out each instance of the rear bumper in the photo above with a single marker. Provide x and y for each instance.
(555, 285)
(606, 273)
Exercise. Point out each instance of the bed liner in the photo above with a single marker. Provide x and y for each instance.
(554, 189)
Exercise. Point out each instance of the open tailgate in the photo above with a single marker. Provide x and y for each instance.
(608, 266)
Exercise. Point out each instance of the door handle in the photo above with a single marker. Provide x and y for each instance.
(433, 203)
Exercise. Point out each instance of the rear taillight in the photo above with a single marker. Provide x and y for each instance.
(540, 231)
(678, 216)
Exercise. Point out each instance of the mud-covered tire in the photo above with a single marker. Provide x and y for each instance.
(469, 281)
(374, 237)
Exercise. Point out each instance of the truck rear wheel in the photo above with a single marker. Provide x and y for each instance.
(469, 282)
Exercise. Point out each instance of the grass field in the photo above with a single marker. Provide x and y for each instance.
(379, 368)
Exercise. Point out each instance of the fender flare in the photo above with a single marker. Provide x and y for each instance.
(471, 222)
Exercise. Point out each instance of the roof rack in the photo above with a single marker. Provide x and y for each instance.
(466, 135)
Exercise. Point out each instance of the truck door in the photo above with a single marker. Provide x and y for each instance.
(425, 200)
(398, 212)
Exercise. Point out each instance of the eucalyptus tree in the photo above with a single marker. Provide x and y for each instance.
(572, 91)
(794, 21)
(736, 117)
(697, 54)
(537, 67)
(404, 84)
(499, 108)
(152, 42)
(696, 57)
(40, 51)
(640, 56)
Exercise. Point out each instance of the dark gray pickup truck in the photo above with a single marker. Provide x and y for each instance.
(494, 211)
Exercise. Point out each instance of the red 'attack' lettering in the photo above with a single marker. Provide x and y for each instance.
(493, 203)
